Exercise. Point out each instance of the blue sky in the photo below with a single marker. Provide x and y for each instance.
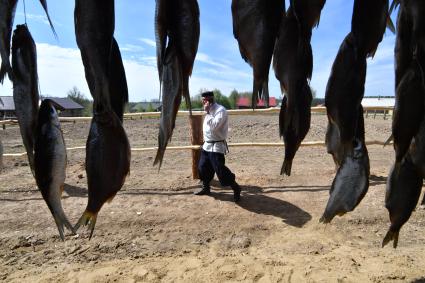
(218, 63)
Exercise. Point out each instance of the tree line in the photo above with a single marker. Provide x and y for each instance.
(229, 101)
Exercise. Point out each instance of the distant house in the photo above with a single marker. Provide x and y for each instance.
(245, 103)
(7, 109)
(378, 101)
(65, 106)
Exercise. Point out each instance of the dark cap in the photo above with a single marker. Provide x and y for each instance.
(207, 94)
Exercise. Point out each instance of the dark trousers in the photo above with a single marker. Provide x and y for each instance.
(213, 162)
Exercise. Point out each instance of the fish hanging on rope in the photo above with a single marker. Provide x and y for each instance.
(417, 152)
(351, 182)
(50, 163)
(25, 87)
(403, 190)
(177, 36)
(404, 186)
(307, 13)
(408, 128)
(255, 27)
(293, 67)
(107, 164)
(409, 110)
(107, 149)
(117, 82)
(344, 93)
(7, 14)
(94, 29)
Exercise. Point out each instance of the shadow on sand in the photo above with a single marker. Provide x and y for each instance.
(253, 199)
(375, 180)
(74, 191)
(71, 191)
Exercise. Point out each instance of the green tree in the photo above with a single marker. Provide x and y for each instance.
(221, 99)
(76, 95)
(150, 108)
(233, 98)
(138, 108)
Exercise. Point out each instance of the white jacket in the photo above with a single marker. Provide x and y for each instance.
(215, 129)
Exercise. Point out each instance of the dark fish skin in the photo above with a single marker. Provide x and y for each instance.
(25, 87)
(171, 98)
(178, 21)
(408, 110)
(297, 129)
(368, 24)
(417, 152)
(293, 65)
(415, 11)
(50, 163)
(350, 184)
(107, 164)
(117, 81)
(177, 31)
(7, 14)
(292, 56)
(333, 143)
(186, 35)
(307, 13)
(403, 50)
(417, 149)
(161, 33)
(44, 5)
(344, 92)
(94, 28)
(403, 190)
(255, 27)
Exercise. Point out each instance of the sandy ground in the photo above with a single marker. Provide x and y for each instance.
(156, 230)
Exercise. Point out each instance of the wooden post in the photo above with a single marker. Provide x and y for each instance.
(196, 138)
(1, 156)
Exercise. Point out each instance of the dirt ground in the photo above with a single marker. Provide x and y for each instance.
(156, 230)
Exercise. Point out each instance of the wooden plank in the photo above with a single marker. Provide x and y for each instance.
(196, 147)
(196, 139)
(233, 112)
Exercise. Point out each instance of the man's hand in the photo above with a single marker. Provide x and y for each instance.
(207, 105)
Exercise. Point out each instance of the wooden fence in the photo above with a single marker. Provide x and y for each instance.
(196, 131)
(141, 115)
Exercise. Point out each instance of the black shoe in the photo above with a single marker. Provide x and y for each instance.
(205, 190)
(236, 192)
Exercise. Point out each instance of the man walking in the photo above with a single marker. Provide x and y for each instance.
(212, 159)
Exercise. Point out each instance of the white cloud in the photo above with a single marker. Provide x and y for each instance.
(60, 69)
(148, 41)
(38, 18)
(204, 58)
(131, 48)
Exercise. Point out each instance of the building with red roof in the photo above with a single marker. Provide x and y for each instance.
(245, 103)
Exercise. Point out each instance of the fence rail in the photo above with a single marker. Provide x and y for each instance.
(235, 145)
(236, 112)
